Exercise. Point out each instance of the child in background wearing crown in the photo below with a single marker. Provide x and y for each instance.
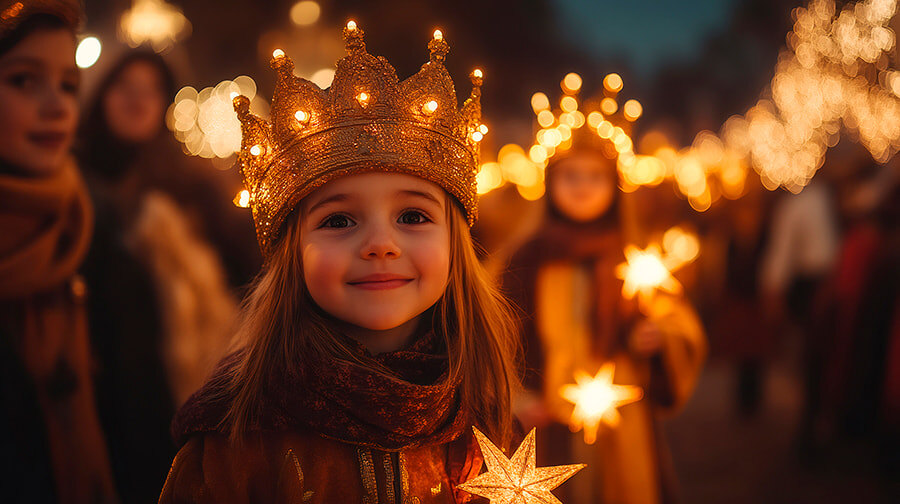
(372, 341)
(564, 279)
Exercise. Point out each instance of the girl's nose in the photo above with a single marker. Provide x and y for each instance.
(380, 243)
(56, 104)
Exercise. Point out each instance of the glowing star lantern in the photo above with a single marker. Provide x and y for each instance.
(516, 480)
(645, 272)
(597, 400)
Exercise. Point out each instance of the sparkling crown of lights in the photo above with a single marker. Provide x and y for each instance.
(366, 121)
(598, 122)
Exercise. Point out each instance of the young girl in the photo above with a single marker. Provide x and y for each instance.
(372, 341)
(53, 449)
(564, 279)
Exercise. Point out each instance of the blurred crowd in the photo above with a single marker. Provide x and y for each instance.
(122, 263)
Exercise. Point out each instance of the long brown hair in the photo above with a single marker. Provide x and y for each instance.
(281, 325)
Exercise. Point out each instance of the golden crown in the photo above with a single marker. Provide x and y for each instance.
(366, 121)
(596, 123)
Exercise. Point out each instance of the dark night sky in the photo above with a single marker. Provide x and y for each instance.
(649, 34)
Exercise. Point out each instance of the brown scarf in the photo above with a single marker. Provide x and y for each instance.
(47, 224)
(596, 245)
(350, 403)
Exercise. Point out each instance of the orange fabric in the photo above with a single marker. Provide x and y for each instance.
(293, 467)
(47, 225)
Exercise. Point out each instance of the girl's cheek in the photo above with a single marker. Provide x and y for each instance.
(324, 265)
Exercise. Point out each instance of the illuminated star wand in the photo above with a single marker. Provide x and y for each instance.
(597, 399)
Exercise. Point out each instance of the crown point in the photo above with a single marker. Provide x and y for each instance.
(477, 77)
(363, 98)
(353, 37)
(438, 47)
(241, 104)
(301, 116)
(483, 129)
(277, 53)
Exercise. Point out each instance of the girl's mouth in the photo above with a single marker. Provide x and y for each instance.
(48, 140)
(380, 281)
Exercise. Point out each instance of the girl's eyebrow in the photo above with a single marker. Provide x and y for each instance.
(24, 60)
(331, 199)
(422, 194)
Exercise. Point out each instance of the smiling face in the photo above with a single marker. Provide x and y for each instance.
(583, 186)
(38, 91)
(375, 248)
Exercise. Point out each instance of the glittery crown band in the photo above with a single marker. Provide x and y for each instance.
(12, 14)
(366, 121)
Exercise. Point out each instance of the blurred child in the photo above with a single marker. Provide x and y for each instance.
(53, 449)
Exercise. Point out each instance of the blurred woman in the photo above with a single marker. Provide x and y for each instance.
(53, 449)
(166, 250)
(564, 280)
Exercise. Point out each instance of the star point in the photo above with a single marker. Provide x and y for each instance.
(516, 480)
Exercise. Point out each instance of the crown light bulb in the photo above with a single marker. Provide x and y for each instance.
(483, 129)
(351, 25)
(438, 35)
(363, 98)
(477, 73)
(477, 136)
(301, 115)
(429, 107)
(277, 53)
(256, 150)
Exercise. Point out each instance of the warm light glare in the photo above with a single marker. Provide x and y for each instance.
(644, 272)
(477, 136)
(438, 35)
(597, 399)
(608, 106)
(632, 109)
(277, 53)
(363, 98)
(568, 104)
(156, 22)
(613, 83)
(256, 150)
(430, 107)
(242, 199)
(478, 73)
(571, 82)
(539, 102)
(301, 115)
(88, 52)
(305, 13)
(351, 25)
(483, 129)
(545, 118)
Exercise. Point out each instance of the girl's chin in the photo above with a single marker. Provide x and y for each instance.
(37, 164)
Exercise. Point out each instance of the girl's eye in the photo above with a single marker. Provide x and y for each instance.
(71, 87)
(413, 217)
(337, 221)
(22, 80)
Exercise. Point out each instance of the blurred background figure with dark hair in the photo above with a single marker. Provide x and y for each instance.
(53, 449)
(168, 248)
